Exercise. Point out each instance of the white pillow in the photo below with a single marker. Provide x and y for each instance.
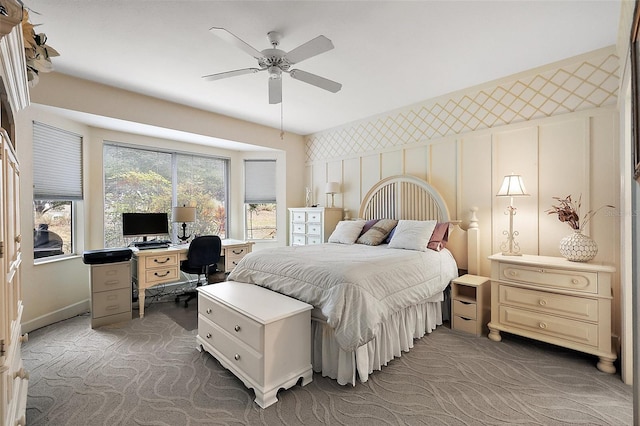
(347, 231)
(412, 234)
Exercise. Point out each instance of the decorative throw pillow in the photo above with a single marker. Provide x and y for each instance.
(377, 233)
(440, 236)
(412, 234)
(390, 236)
(367, 225)
(347, 231)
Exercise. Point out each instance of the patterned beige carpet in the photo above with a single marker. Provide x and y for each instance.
(148, 372)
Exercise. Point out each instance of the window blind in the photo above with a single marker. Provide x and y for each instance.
(259, 181)
(57, 163)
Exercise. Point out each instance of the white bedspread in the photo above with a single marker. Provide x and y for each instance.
(357, 287)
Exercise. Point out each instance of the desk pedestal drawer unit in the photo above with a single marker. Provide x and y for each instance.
(312, 225)
(110, 293)
(556, 301)
(261, 336)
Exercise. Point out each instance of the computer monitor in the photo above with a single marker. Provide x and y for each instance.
(144, 224)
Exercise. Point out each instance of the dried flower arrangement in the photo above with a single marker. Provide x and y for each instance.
(36, 52)
(568, 211)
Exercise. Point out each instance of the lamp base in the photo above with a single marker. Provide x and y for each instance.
(184, 237)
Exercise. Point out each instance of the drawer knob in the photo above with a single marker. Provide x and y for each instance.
(513, 273)
(574, 281)
(543, 302)
(236, 357)
(543, 325)
(208, 335)
(208, 310)
(236, 328)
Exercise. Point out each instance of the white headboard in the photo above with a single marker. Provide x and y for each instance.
(410, 198)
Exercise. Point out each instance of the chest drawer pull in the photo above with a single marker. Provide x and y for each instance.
(236, 357)
(542, 325)
(208, 335)
(208, 310)
(161, 275)
(236, 328)
(542, 302)
(162, 261)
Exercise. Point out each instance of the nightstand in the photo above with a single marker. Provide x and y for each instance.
(470, 297)
(556, 301)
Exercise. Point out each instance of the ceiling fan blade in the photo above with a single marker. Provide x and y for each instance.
(275, 90)
(316, 80)
(311, 48)
(234, 40)
(226, 74)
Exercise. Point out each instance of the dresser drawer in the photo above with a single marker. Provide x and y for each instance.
(111, 303)
(170, 259)
(551, 303)
(299, 240)
(299, 228)
(314, 239)
(549, 325)
(110, 276)
(314, 229)
(236, 352)
(234, 323)
(161, 275)
(553, 278)
(465, 324)
(299, 217)
(314, 217)
(464, 309)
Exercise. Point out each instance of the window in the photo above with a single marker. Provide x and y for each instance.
(145, 180)
(57, 186)
(260, 199)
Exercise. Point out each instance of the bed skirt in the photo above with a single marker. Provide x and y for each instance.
(394, 337)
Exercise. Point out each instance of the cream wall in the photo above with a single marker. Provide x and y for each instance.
(56, 290)
(557, 126)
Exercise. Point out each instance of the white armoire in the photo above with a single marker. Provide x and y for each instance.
(14, 97)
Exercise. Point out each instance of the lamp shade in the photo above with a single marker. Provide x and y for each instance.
(184, 214)
(512, 186)
(332, 188)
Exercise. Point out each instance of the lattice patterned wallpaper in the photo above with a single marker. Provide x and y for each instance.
(584, 84)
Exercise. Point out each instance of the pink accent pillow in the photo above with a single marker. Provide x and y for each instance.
(439, 237)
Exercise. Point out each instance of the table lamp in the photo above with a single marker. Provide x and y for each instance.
(512, 186)
(332, 188)
(184, 214)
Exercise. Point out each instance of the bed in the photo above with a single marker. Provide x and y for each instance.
(370, 302)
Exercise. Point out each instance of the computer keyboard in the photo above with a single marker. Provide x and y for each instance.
(149, 245)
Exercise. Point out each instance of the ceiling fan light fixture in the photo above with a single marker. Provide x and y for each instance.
(275, 72)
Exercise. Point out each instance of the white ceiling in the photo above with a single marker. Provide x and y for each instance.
(388, 54)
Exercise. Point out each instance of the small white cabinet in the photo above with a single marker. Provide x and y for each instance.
(556, 301)
(312, 225)
(261, 336)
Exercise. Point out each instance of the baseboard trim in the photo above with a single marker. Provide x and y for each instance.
(67, 312)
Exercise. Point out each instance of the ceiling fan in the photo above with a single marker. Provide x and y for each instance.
(276, 62)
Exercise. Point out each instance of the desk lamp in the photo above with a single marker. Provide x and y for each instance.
(512, 186)
(184, 214)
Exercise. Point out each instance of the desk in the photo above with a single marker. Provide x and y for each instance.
(161, 266)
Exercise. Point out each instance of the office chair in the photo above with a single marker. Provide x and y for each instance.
(202, 259)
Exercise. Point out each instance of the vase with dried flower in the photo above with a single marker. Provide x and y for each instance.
(575, 247)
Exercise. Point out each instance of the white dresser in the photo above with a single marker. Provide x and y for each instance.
(556, 301)
(312, 225)
(110, 293)
(261, 336)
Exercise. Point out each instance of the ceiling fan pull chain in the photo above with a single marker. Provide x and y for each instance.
(281, 122)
